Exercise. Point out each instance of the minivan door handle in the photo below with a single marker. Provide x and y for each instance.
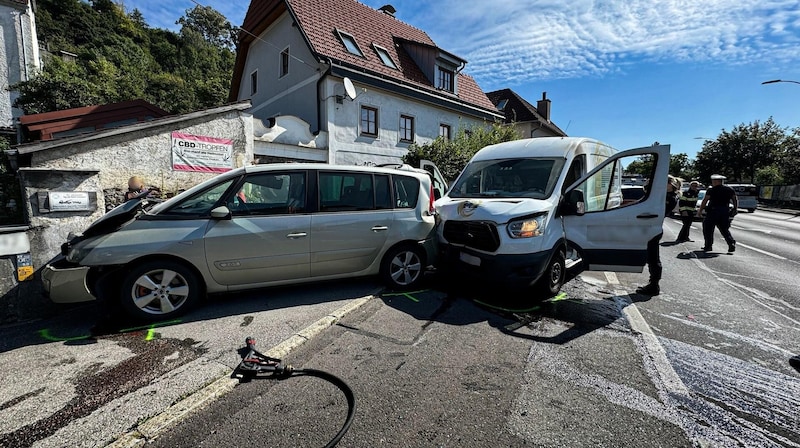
(380, 228)
(647, 216)
(297, 235)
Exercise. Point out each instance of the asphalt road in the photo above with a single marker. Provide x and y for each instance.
(704, 363)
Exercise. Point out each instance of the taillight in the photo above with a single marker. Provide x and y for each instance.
(431, 208)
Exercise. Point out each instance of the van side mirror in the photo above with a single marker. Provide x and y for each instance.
(573, 204)
(221, 212)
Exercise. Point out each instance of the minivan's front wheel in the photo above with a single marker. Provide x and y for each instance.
(403, 267)
(553, 278)
(159, 290)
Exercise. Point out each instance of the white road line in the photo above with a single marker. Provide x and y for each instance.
(752, 230)
(611, 277)
(762, 251)
(669, 378)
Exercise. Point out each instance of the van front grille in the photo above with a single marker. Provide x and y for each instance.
(481, 235)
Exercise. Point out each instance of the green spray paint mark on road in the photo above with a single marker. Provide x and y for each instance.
(508, 310)
(45, 334)
(407, 295)
(562, 296)
(151, 326)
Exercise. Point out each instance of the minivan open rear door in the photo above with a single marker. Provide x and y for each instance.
(610, 235)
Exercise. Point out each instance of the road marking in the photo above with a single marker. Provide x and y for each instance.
(752, 230)
(762, 251)
(669, 378)
(611, 277)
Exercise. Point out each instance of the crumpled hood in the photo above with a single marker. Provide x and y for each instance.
(499, 211)
(114, 218)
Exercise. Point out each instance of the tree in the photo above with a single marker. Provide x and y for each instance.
(738, 154)
(212, 26)
(451, 156)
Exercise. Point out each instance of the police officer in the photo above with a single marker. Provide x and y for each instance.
(687, 203)
(718, 197)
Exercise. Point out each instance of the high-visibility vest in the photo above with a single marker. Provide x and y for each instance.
(687, 201)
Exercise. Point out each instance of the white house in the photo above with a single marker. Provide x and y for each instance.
(19, 54)
(337, 81)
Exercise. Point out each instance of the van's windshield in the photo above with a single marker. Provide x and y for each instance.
(509, 178)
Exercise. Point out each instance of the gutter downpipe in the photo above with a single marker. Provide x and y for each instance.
(319, 97)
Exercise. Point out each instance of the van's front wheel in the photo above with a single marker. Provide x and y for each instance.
(553, 277)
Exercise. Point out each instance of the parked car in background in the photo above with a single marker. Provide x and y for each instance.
(632, 193)
(748, 196)
(253, 227)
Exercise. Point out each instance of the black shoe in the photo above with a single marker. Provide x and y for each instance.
(706, 248)
(648, 290)
(794, 361)
(732, 247)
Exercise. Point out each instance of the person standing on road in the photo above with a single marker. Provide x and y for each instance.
(687, 203)
(719, 215)
(653, 252)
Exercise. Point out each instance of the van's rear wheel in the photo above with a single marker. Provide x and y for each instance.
(403, 267)
(553, 277)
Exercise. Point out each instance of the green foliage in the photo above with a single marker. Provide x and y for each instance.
(451, 156)
(739, 153)
(769, 175)
(121, 58)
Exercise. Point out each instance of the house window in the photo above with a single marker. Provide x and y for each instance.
(254, 82)
(369, 121)
(444, 131)
(385, 57)
(502, 104)
(284, 63)
(350, 43)
(446, 79)
(406, 129)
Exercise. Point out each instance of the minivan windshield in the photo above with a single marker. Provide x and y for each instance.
(509, 178)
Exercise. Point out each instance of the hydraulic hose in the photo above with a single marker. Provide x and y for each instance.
(255, 362)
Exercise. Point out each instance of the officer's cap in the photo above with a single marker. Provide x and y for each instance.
(717, 177)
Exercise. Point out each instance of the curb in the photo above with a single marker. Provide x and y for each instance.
(159, 423)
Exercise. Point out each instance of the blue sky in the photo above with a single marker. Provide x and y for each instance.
(627, 72)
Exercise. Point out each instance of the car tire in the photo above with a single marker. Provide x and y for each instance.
(403, 267)
(159, 290)
(553, 277)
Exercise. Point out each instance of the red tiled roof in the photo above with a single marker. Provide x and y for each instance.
(320, 19)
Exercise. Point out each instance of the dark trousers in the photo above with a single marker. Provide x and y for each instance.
(687, 224)
(717, 218)
(654, 259)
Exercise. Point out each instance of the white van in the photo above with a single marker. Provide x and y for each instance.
(522, 212)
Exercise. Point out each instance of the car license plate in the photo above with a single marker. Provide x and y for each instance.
(469, 259)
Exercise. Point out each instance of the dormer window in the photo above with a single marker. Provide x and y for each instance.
(445, 79)
(385, 57)
(350, 43)
(502, 104)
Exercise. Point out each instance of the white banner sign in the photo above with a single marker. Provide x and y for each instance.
(203, 154)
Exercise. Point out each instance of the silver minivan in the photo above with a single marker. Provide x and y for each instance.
(252, 227)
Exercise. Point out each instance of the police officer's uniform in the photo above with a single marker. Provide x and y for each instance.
(718, 214)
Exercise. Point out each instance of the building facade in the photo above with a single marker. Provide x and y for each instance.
(19, 53)
(529, 120)
(337, 81)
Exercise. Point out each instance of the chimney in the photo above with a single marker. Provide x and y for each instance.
(388, 10)
(543, 107)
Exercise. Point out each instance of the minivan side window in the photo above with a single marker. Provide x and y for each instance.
(201, 203)
(383, 192)
(406, 191)
(273, 193)
(345, 191)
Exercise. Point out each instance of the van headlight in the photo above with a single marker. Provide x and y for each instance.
(527, 227)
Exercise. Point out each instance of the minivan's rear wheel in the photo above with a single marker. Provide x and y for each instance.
(553, 278)
(159, 290)
(403, 267)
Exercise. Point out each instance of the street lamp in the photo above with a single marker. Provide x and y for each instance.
(779, 80)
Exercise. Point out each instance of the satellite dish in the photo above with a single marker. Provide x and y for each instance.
(349, 88)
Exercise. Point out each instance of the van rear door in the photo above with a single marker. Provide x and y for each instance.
(611, 235)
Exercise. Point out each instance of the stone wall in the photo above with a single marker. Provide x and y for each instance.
(103, 165)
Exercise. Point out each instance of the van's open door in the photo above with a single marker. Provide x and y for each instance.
(439, 182)
(611, 236)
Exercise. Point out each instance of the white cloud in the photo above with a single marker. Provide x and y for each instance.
(511, 42)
